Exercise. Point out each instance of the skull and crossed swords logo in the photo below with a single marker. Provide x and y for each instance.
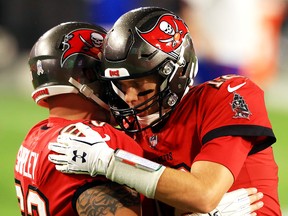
(169, 30)
(82, 41)
(167, 34)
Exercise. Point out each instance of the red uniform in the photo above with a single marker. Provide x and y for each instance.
(207, 125)
(41, 189)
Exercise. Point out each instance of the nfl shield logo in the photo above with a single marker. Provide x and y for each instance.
(153, 140)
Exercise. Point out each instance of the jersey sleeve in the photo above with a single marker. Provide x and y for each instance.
(234, 155)
(235, 106)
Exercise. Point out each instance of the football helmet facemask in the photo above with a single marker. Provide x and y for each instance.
(145, 41)
(66, 59)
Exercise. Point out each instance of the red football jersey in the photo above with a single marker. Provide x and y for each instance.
(208, 125)
(40, 188)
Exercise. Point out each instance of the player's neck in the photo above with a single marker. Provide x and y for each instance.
(68, 113)
(75, 107)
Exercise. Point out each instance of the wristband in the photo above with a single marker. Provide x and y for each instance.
(135, 172)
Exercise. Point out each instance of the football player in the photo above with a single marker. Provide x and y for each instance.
(63, 64)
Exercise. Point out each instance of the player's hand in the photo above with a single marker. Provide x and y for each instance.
(85, 152)
(241, 202)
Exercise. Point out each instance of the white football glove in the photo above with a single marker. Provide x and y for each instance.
(85, 152)
(236, 203)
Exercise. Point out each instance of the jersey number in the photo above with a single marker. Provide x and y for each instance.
(35, 202)
(216, 83)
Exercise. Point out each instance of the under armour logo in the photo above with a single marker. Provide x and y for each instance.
(79, 156)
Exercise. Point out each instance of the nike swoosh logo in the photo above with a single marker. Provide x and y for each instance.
(232, 89)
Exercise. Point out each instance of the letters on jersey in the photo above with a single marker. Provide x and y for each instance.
(26, 162)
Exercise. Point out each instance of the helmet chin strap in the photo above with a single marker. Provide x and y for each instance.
(147, 120)
(88, 92)
(144, 121)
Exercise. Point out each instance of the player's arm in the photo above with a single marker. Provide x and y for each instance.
(198, 191)
(203, 190)
(207, 183)
(109, 199)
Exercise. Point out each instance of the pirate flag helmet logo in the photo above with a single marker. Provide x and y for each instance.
(67, 51)
(82, 41)
(167, 34)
